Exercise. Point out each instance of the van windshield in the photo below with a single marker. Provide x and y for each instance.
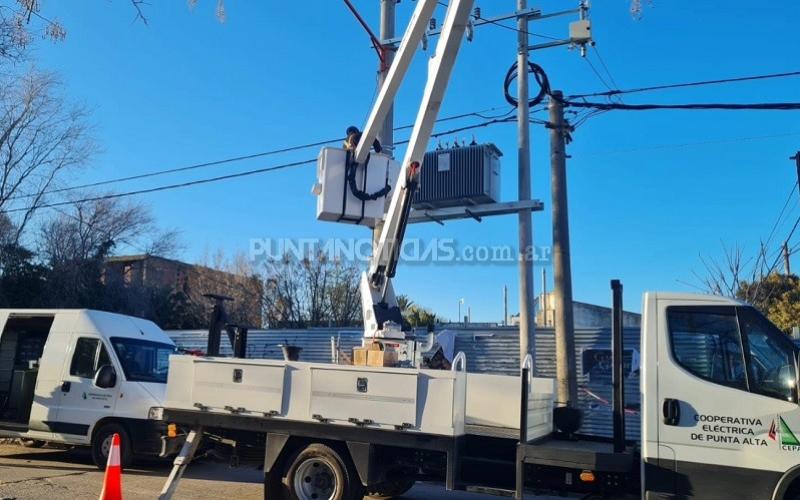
(143, 360)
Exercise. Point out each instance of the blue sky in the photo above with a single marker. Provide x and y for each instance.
(649, 191)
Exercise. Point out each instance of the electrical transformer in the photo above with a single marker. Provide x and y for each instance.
(353, 194)
(464, 175)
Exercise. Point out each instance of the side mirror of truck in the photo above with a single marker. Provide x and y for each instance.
(105, 377)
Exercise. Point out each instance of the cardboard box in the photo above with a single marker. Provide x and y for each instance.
(373, 355)
(360, 356)
(378, 357)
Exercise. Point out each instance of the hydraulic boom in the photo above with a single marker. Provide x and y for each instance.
(382, 319)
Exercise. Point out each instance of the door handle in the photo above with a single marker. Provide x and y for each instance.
(66, 386)
(672, 411)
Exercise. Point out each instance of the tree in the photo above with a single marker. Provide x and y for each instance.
(22, 279)
(418, 317)
(312, 291)
(777, 296)
(41, 139)
(234, 278)
(75, 243)
(404, 302)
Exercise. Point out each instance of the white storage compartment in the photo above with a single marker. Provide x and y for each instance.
(374, 395)
(336, 201)
(493, 405)
(426, 401)
(222, 384)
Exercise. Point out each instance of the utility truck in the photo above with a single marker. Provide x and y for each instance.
(720, 412)
(79, 376)
(720, 417)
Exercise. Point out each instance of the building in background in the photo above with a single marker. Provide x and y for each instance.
(585, 315)
(187, 283)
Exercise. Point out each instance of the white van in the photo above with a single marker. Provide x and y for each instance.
(79, 376)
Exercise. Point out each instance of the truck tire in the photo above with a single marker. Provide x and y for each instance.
(793, 491)
(101, 444)
(390, 489)
(320, 473)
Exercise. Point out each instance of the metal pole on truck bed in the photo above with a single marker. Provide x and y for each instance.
(617, 375)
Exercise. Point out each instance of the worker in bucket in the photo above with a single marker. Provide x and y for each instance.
(354, 136)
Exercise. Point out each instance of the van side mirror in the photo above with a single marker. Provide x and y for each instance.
(105, 377)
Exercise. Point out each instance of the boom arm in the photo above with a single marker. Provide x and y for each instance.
(379, 306)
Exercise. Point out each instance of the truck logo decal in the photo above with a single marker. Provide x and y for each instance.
(788, 439)
(719, 430)
(361, 384)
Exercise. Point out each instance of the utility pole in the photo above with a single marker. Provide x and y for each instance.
(505, 305)
(386, 136)
(562, 269)
(543, 305)
(526, 293)
(787, 267)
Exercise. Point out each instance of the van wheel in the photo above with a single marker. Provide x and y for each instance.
(320, 473)
(101, 445)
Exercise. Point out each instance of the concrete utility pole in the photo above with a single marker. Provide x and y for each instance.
(505, 305)
(562, 269)
(386, 135)
(543, 305)
(787, 266)
(526, 294)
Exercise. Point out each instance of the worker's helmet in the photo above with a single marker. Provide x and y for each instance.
(352, 129)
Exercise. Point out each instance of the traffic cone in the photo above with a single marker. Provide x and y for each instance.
(112, 483)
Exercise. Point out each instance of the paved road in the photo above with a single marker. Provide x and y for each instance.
(28, 474)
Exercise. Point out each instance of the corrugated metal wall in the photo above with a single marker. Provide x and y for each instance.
(488, 350)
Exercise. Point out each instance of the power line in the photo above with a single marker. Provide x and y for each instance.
(690, 144)
(170, 186)
(476, 15)
(598, 75)
(773, 106)
(603, 63)
(780, 215)
(236, 175)
(156, 173)
(689, 84)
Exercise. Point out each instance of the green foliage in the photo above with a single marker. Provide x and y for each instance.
(777, 297)
(418, 317)
(22, 280)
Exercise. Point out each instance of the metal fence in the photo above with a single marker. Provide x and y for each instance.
(488, 350)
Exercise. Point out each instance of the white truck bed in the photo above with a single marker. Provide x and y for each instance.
(448, 403)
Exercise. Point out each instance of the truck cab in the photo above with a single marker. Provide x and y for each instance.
(720, 417)
(79, 376)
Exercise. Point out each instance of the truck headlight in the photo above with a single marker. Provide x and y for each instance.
(155, 413)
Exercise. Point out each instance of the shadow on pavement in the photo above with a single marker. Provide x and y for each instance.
(80, 460)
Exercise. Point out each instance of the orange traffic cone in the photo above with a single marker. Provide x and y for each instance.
(112, 483)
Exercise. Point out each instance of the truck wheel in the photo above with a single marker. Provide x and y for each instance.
(793, 492)
(320, 473)
(390, 489)
(101, 445)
